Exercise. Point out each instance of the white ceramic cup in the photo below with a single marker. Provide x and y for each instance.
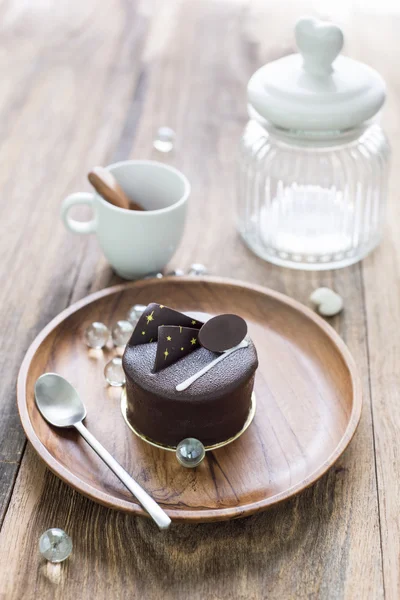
(136, 242)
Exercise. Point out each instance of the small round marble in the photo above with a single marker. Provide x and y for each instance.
(176, 273)
(114, 373)
(135, 312)
(190, 453)
(158, 275)
(164, 139)
(55, 545)
(197, 269)
(121, 333)
(97, 335)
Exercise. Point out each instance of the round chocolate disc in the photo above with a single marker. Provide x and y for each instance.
(222, 332)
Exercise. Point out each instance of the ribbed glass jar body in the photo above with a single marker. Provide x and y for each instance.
(312, 203)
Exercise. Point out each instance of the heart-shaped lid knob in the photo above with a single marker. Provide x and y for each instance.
(319, 44)
(316, 90)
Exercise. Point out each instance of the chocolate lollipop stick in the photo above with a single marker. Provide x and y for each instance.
(108, 187)
(185, 384)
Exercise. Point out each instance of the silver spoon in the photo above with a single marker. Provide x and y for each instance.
(59, 403)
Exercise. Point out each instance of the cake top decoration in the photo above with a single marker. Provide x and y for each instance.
(155, 316)
(174, 342)
(223, 332)
(178, 335)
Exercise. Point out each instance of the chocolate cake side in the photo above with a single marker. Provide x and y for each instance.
(212, 409)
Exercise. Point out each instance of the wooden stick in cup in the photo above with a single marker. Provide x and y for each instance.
(108, 187)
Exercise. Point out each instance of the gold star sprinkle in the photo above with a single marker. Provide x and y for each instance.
(151, 340)
(143, 333)
(182, 348)
(169, 338)
(161, 305)
(166, 354)
(193, 341)
(150, 317)
(193, 322)
(180, 329)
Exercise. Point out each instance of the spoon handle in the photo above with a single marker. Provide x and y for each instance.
(108, 187)
(155, 511)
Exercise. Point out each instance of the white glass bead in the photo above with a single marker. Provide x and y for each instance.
(164, 140)
(55, 545)
(135, 312)
(121, 333)
(114, 373)
(97, 335)
(190, 453)
(197, 269)
(327, 302)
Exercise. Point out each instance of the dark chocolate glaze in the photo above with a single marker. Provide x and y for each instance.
(213, 409)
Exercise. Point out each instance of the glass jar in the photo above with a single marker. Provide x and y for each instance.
(314, 160)
(312, 202)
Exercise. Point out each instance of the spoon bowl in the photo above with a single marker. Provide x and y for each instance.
(58, 401)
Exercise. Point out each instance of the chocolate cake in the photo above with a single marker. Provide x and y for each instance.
(165, 350)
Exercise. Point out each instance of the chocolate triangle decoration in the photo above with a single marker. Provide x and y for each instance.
(174, 342)
(155, 316)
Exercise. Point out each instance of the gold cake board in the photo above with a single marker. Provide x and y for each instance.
(173, 448)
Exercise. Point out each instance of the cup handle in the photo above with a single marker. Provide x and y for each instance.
(72, 224)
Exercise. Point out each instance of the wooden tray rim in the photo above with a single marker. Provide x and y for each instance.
(186, 515)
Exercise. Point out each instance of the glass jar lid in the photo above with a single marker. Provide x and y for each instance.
(316, 90)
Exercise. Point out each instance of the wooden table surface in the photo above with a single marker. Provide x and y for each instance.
(89, 82)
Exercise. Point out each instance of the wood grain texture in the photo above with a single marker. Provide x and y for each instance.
(89, 83)
(49, 86)
(308, 404)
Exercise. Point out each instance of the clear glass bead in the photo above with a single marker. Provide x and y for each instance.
(154, 276)
(312, 201)
(135, 312)
(190, 453)
(176, 273)
(164, 140)
(97, 335)
(197, 269)
(55, 545)
(114, 373)
(121, 332)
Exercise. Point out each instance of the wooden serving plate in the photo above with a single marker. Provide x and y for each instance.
(308, 404)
